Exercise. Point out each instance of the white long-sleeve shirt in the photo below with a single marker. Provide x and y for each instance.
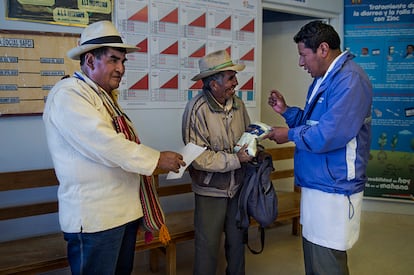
(98, 169)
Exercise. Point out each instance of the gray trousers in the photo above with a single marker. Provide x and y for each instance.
(321, 260)
(212, 217)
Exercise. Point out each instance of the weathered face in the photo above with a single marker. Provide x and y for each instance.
(108, 70)
(224, 88)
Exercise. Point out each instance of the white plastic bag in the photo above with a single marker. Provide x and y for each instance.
(254, 133)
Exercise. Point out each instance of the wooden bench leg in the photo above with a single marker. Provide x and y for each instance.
(295, 226)
(171, 259)
(154, 260)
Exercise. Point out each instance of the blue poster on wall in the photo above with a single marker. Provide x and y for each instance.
(381, 36)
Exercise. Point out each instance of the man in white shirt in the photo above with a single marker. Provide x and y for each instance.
(98, 157)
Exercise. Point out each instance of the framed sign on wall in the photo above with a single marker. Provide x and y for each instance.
(64, 12)
(29, 67)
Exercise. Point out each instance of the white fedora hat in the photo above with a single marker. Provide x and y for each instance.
(216, 62)
(97, 35)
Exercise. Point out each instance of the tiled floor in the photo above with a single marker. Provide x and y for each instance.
(385, 247)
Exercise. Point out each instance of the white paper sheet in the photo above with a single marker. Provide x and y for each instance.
(190, 152)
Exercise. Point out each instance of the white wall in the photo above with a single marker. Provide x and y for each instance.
(280, 69)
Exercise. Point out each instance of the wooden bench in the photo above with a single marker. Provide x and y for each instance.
(48, 252)
(34, 254)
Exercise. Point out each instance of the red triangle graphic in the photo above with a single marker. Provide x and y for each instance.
(143, 45)
(248, 85)
(171, 84)
(172, 17)
(142, 84)
(199, 22)
(249, 27)
(173, 49)
(200, 52)
(228, 49)
(141, 15)
(226, 24)
(197, 86)
(248, 56)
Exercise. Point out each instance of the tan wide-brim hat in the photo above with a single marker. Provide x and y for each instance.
(216, 62)
(97, 35)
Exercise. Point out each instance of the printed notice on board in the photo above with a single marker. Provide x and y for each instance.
(173, 36)
(69, 12)
(29, 68)
(381, 36)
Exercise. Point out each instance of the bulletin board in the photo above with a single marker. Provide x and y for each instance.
(173, 36)
(67, 12)
(30, 64)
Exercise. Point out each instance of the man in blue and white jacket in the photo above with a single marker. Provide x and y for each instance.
(332, 136)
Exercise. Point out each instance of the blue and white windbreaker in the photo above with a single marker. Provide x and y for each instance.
(333, 132)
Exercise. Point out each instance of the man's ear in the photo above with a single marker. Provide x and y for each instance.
(213, 84)
(324, 48)
(90, 60)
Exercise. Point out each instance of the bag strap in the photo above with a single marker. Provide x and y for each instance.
(262, 241)
(242, 217)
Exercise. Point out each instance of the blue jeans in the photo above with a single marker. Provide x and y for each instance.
(213, 216)
(107, 252)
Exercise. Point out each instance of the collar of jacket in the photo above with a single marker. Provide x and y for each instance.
(338, 66)
(212, 103)
(340, 63)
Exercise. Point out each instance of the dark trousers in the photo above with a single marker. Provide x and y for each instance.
(212, 217)
(321, 260)
(107, 252)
